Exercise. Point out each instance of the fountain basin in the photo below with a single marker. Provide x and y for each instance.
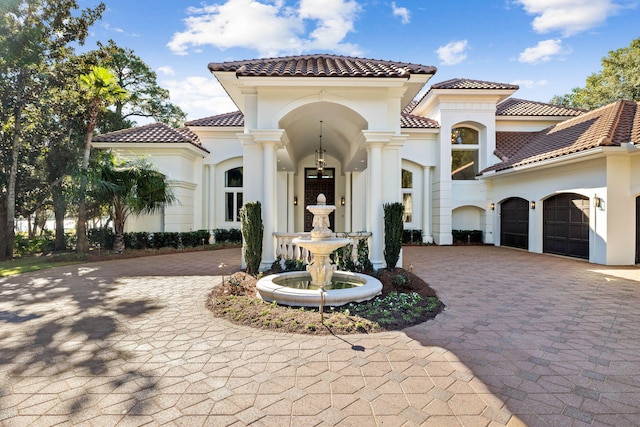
(274, 288)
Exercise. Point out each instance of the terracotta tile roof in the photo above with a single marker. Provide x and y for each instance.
(321, 65)
(409, 108)
(508, 143)
(521, 107)
(234, 119)
(459, 83)
(416, 122)
(610, 125)
(153, 133)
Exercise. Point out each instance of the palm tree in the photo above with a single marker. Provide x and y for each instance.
(101, 89)
(130, 187)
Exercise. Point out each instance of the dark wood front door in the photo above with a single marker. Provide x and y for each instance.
(566, 225)
(313, 186)
(514, 223)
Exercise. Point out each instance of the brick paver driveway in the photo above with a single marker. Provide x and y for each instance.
(526, 339)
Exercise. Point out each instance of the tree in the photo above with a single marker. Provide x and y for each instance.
(252, 232)
(130, 187)
(393, 228)
(145, 97)
(101, 89)
(618, 79)
(33, 33)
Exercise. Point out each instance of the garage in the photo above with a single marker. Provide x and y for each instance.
(566, 225)
(514, 223)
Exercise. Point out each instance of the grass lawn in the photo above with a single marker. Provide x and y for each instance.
(41, 262)
(33, 263)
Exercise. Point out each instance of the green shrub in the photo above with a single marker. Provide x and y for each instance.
(393, 228)
(102, 237)
(252, 231)
(467, 236)
(231, 235)
(412, 236)
(23, 245)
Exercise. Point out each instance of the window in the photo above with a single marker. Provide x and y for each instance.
(232, 194)
(464, 153)
(407, 195)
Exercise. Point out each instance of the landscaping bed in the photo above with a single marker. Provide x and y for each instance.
(406, 300)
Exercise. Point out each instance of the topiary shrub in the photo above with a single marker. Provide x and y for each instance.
(393, 229)
(252, 231)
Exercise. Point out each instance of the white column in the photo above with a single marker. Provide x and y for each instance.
(427, 236)
(347, 202)
(290, 207)
(269, 205)
(376, 216)
(213, 193)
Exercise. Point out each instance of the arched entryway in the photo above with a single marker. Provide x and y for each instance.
(566, 225)
(514, 223)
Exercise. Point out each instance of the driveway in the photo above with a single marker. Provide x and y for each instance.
(526, 339)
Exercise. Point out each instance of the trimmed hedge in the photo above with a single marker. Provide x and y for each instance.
(467, 236)
(231, 235)
(105, 237)
(412, 236)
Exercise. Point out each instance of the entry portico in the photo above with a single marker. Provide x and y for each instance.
(353, 107)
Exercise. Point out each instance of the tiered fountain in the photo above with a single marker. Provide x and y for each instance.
(321, 284)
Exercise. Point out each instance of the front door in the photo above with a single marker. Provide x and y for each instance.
(315, 184)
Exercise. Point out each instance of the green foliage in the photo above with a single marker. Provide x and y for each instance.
(294, 265)
(467, 236)
(105, 238)
(618, 79)
(252, 231)
(393, 229)
(387, 309)
(231, 235)
(412, 236)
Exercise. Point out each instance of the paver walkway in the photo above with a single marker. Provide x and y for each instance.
(526, 339)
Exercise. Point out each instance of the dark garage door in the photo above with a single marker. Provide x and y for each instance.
(514, 223)
(566, 225)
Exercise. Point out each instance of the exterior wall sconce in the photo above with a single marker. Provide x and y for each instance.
(598, 202)
(492, 206)
(342, 200)
(533, 204)
(295, 201)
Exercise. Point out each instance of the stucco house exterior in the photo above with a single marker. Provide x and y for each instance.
(467, 155)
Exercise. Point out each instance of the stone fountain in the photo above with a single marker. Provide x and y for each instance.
(322, 289)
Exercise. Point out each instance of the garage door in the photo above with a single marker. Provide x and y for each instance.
(566, 225)
(514, 223)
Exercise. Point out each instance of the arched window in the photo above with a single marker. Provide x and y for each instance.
(232, 194)
(407, 195)
(464, 153)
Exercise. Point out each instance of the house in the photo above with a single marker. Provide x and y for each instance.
(466, 156)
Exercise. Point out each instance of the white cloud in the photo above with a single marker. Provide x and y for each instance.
(542, 52)
(402, 12)
(452, 53)
(108, 26)
(530, 84)
(166, 70)
(271, 28)
(199, 96)
(568, 16)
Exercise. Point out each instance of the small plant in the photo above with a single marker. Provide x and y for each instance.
(252, 232)
(294, 265)
(236, 286)
(393, 229)
(401, 280)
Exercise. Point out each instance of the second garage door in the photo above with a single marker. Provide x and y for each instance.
(566, 225)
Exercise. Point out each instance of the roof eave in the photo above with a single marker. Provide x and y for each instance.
(548, 163)
(191, 147)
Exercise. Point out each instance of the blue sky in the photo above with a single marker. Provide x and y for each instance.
(547, 47)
